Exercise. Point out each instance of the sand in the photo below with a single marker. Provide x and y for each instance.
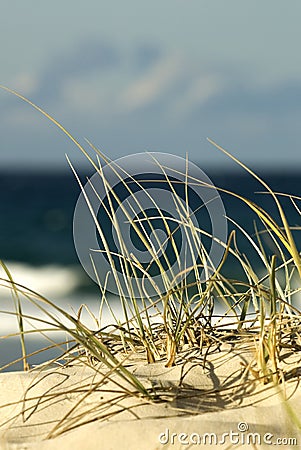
(213, 402)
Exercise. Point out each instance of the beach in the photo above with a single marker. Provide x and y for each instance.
(214, 401)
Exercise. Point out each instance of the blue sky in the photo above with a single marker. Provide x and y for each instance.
(157, 76)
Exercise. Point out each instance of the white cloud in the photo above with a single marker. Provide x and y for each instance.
(121, 93)
(24, 82)
(147, 89)
(17, 113)
(202, 89)
(84, 95)
(93, 96)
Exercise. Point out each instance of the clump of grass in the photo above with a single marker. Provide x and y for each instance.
(261, 308)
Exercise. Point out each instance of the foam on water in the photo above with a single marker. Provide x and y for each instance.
(50, 280)
(58, 284)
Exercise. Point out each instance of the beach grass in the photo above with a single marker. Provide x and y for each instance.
(260, 308)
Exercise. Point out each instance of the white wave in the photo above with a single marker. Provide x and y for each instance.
(51, 281)
(33, 317)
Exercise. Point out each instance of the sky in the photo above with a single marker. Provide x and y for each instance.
(140, 76)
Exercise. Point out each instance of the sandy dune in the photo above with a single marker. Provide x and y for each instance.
(213, 402)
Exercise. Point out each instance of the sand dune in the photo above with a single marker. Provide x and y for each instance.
(213, 402)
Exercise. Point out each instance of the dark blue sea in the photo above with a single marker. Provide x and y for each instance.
(36, 222)
(36, 212)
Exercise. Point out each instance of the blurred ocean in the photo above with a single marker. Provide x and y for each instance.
(36, 242)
